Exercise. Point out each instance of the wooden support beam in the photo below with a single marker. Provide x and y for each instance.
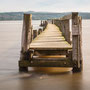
(80, 42)
(39, 31)
(41, 23)
(76, 42)
(51, 52)
(52, 21)
(26, 39)
(35, 33)
(26, 35)
(45, 25)
(62, 62)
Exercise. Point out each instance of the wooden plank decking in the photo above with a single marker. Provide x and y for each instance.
(50, 38)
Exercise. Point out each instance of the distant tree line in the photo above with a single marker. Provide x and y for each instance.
(37, 15)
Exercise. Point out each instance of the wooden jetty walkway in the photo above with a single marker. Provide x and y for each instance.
(51, 38)
(55, 40)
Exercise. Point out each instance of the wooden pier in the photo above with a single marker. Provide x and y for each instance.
(54, 45)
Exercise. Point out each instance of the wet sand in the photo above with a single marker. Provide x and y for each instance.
(38, 78)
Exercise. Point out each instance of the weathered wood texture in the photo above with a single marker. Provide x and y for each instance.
(52, 21)
(47, 62)
(39, 31)
(76, 39)
(41, 23)
(44, 24)
(35, 33)
(26, 34)
(51, 52)
(51, 38)
(64, 27)
(66, 17)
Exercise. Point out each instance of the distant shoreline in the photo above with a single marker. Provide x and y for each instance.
(14, 16)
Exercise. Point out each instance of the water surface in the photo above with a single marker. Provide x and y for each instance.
(10, 78)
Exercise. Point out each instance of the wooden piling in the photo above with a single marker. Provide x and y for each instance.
(76, 42)
(27, 32)
(39, 31)
(35, 33)
(26, 39)
(41, 23)
(44, 24)
(52, 21)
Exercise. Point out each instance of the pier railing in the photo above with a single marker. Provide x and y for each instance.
(76, 41)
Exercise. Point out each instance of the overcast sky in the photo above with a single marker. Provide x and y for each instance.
(45, 5)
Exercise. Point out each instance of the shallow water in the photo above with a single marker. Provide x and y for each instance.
(38, 79)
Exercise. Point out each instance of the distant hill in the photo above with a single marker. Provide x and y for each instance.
(36, 15)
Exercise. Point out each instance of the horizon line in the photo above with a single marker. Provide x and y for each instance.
(45, 11)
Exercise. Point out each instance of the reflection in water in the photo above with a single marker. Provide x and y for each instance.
(52, 81)
(52, 69)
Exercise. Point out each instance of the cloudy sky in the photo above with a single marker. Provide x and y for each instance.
(45, 5)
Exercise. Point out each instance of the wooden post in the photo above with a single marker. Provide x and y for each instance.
(80, 43)
(66, 30)
(39, 31)
(52, 21)
(41, 23)
(44, 25)
(26, 38)
(35, 33)
(64, 27)
(76, 42)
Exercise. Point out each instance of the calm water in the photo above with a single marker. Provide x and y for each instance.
(10, 78)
